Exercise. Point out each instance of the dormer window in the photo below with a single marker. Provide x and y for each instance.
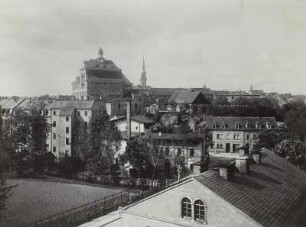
(257, 125)
(268, 125)
(238, 125)
(247, 125)
(215, 125)
(223, 125)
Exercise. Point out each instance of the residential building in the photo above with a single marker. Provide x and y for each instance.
(65, 117)
(271, 193)
(185, 100)
(231, 133)
(233, 95)
(139, 125)
(188, 150)
(100, 79)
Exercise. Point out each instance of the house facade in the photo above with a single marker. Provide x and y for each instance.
(231, 133)
(64, 118)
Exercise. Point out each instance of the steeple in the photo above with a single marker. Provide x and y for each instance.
(100, 53)
(143, 78)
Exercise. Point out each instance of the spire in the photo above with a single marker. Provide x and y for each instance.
(143, 78)
(100, 53)
(143, 64)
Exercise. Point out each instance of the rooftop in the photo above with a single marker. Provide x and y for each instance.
(269, 194)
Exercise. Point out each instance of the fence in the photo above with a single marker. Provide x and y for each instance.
(86, 212)
(89, 211)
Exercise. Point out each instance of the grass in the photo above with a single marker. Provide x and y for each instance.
(32, 200)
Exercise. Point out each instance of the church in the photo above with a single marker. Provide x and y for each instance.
(100, 79)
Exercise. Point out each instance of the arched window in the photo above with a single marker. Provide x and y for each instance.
(199, 211)
(186, 208)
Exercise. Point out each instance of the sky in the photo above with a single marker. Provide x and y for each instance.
(223, 44)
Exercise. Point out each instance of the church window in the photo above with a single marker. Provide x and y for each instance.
(186, 208)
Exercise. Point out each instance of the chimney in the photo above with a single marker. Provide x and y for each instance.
(242, 163)
(128, 118)
(256, 155)
(227, 171)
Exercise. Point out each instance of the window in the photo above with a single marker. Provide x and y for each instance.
(54, 124)
(167, 151)
(219, 146)
(247, 125)
(219, 136)
(67, 130)
(67, 118)
(236, 136)
(54, 149)
(199, 211)
(257, 125)
(179, 151)
(238, 126)
(85, 124)
(54, 136)
(54, 113)
(85, 113)
(79, 114)
(186, 208)
(268, 125)
(119, 106)
(136, 106)
(248, 136)
(191, 153)
(67, 141)
(47, 112)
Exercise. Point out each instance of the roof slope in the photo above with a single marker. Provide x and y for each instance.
(269, 194)
(187, 97)
(228, 122)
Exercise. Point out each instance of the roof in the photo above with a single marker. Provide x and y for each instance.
(162, 91)
(71, 104)
(227, 123)
(234, 93)
(10, 102)
(269, 194)
(140, 119)
(174, 136)
(187, 97)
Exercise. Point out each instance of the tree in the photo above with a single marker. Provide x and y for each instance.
(295, 119)
(292, 150)
(103, 142)
(143, 157)
(269, 139)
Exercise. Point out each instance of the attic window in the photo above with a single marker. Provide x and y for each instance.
(238, 125)
(247, 125)
(223, 125)
(268, 125)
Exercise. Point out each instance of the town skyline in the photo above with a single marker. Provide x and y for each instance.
(225, 45)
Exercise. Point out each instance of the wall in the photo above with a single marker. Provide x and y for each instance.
(219, 212)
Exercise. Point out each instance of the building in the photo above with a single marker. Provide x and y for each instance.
(185, 100)
(271, 193)
(188, 150)
(233, 95)
(65, 117)
(100, 79)
(139, 125)
(143, 78)
(231, 133)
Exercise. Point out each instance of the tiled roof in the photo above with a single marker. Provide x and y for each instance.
(105, 65)
(269, 194)
(140, 119)
(70, 104)
(162, 91)
(10, 102)
(187, 97)
(229, 122)
(173, 136)
(233, 93)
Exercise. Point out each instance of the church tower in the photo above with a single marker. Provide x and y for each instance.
(143, 78)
